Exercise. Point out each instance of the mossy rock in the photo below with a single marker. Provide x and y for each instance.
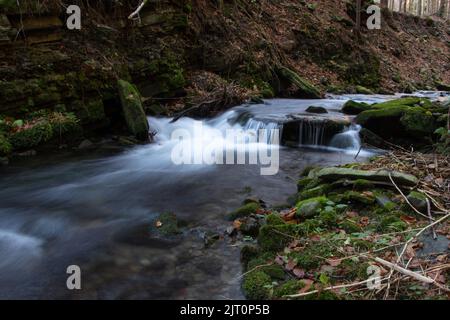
(363, 90)
(5, 146)
(305, 89)
(289, 287)
(406, 101)
(334, 174)
(274, 219)
(356, 197)
(256, 285)
(311, 207)
(354, 108)
(318, 191)
(418, 200)
(265, 264)
(418, 122)
(244, 211)
(307, 183)
(312, 256)
(329, 216)
(350, 226)
(28, 138)
(391, 223)
(249, 252)
(132, 108)
(273, 238)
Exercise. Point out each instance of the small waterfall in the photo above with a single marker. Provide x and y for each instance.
(311, 132)
(256, 125)
(349, 139)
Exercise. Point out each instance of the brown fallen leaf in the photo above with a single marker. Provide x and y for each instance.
(364, 221)
(291, 265)
(408, 219)
(334, 262)
(299, 273)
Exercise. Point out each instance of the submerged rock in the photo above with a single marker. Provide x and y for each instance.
(132, 109)
(333, 174)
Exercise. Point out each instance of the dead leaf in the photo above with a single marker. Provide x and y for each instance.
(291, 265)
(334, 262)
(408, 219)
(299, 273)
(364, 221)
(237, 224)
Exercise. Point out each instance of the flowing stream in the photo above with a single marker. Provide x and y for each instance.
(94, 209)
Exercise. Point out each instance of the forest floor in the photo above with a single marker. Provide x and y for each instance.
(372, 231)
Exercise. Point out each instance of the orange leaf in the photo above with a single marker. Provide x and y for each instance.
(237, 224)
(408, 219)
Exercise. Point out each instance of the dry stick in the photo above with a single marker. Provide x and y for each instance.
(406, 246)
(406, 199)
(333, 288)
(404, 271)
(135, 13)
(431, 218)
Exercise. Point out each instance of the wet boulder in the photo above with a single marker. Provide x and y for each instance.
(316, 109)
(405, 118)
(133, 111)
(354, 108)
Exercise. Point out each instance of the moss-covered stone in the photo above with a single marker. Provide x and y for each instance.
(168, 75)
(391, 223)
(350, 226)
(418, 122)
(249, 252)
(273, 238)
(244, 211)
(312, 256)
(132, 108)
(5, 146)
(363, 90)
(311, 207)
(334, 173)
(418, 200)
(353, 108)
(318, 191)
(288, 288)
(274, 219)
(265, 264)
(256, 285)
(328, 216)
(37, 134)
(305, 89)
